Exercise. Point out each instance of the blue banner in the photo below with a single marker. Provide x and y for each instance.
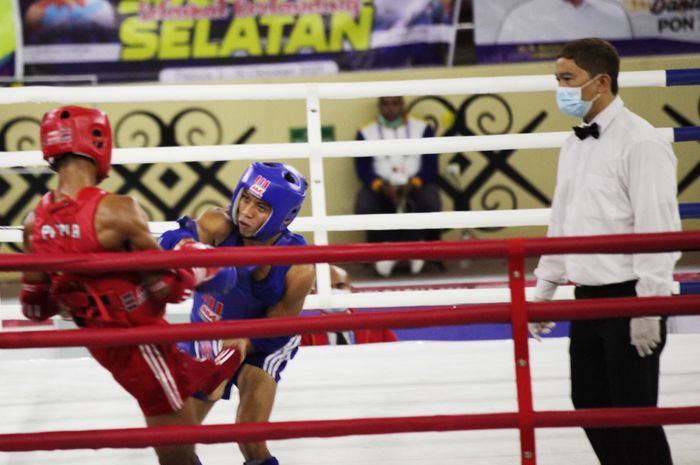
(174, 40)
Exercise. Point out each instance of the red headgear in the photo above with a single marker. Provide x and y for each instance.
(80, 131)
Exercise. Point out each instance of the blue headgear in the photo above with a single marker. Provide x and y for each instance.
(281, 186)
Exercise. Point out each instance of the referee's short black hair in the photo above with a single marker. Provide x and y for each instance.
(595, 56)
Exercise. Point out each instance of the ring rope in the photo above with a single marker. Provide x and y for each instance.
(430, 220)
(516, 250)
(658, 242)
(342, 149)
(436, 316)
(390, 299)
(332, 90)
(252, 432)
(282, 255)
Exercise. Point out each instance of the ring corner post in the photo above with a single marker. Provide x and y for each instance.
(518, 306)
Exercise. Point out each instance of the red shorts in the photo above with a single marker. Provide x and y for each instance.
(161, 377)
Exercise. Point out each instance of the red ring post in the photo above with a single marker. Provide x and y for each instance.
(523, 380)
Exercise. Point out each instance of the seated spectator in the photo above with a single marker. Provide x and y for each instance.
(340, 284)
(396, 183)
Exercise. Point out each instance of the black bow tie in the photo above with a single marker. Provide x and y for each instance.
(584, 131)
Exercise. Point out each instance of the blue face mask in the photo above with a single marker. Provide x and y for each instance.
(571, 103)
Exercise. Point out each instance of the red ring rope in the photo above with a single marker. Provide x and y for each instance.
(516, 250)
(446, 250)
(438, 316)
(249, 432)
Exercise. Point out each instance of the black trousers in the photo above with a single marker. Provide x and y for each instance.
(426, 199)
(606, 371)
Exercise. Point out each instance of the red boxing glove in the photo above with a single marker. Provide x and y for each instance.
(179, 284)
(181, 281)
(201, 274)
(36, 303)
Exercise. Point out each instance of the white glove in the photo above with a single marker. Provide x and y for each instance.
(538, 328)
(645, 335)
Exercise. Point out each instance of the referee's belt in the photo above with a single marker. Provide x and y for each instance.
(608, 287)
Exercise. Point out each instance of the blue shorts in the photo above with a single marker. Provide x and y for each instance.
(272, 363)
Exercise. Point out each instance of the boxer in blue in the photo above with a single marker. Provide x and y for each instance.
(265, 201)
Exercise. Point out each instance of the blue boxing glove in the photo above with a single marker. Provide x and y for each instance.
(187, 230)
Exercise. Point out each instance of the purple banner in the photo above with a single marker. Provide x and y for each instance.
(516, 30)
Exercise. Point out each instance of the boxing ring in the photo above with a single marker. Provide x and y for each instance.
(513, 409)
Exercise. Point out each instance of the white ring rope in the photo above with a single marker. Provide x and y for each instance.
(337, 90)
(436, 220)
(384, 299)
(387, 221)
(346, 149)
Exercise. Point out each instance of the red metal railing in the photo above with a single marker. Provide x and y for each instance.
(518, 312)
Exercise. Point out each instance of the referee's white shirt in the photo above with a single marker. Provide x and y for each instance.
(621, 183)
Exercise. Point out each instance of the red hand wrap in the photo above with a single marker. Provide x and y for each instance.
(36, 302)
(202, 274)
(179, 284)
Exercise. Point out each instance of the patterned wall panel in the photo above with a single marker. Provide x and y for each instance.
(468, 185)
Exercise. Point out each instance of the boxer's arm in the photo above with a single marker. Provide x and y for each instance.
(122, 225)
(27, 232)
(298, 283)
(214, 226)
(34, 293)
(186, 230)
